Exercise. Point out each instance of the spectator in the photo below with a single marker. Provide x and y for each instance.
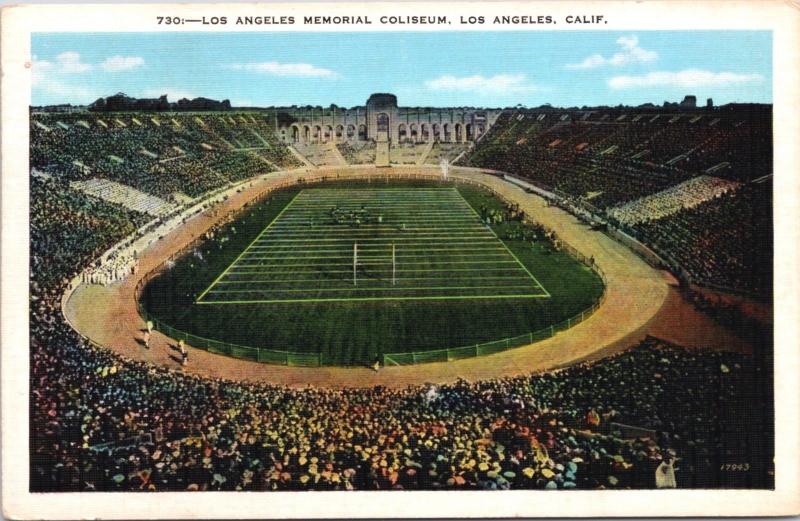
(665, 473)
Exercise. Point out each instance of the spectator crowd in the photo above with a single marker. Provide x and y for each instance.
(104, 423)
(162, 155)
(726, 241)
(693, 186)
(101, 422)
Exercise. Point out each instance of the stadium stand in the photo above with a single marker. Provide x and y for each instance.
(663, 204)
(105, 423)
(123, 195)
(162, 155)
(725, 241)
(322, 154)
(69, 229)
(358, 153)
(657, 176)
(550, 431)
(448, 151)
(407, 153)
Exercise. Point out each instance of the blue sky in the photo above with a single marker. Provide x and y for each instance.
(563, 68)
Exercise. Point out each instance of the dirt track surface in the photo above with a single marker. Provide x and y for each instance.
(639, 301)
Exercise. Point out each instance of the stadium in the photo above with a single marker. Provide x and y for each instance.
(400, 298)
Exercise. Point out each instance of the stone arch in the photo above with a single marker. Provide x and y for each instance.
(383, 128)
(295, 133)
(306, 134)
(436, 132)
(339, 132)
(446, 132)
(362, 132)
(382, 122)
(351, 131)
(413, 132)
(459, 132)
(317, 134)
(468, 133)
(327, 132)
(425, 132)
(402, 132)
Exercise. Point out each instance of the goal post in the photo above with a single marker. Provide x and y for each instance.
(355, 264)
(444, 164)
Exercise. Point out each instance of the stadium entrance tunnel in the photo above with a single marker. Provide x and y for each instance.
(348, 269)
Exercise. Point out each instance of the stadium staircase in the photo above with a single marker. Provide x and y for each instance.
(336, 153)
(460, 155)
(300, 157)
(425, 153)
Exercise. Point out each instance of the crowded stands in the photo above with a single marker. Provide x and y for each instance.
(670, 180)
(100, 422)
(124, 195)
(725, 241)
(686, 195)
(103, 423)
(161, 155)
(70, 229)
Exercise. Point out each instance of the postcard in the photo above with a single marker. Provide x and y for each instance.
(444, 259)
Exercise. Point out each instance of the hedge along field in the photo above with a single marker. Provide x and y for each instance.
(355, 332)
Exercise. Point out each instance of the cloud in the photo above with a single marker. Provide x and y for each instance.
(70, 63)
(498, 84)
(60, 77)
(39, 70)
(590, 62)
(173, 94)
(631, 53)
(73, 92)
(65, 63)
(121, 63)
(686, 78)
(50, 76)
(285, 69)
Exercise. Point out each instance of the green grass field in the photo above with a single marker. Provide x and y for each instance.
(281, 275)
(415, 244)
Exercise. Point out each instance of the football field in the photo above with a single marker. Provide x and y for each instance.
(362, 244)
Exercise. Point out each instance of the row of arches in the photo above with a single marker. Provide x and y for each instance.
(405, 133)
(445, 132)
(324, 133)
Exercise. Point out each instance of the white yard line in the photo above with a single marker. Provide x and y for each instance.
(465, 247)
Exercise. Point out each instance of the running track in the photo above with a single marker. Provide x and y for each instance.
(636, 294)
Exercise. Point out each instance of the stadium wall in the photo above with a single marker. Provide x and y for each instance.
(637, 247)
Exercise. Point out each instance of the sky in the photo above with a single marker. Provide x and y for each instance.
(448, 68)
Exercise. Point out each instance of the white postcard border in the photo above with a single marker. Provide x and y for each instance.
(781, 17)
